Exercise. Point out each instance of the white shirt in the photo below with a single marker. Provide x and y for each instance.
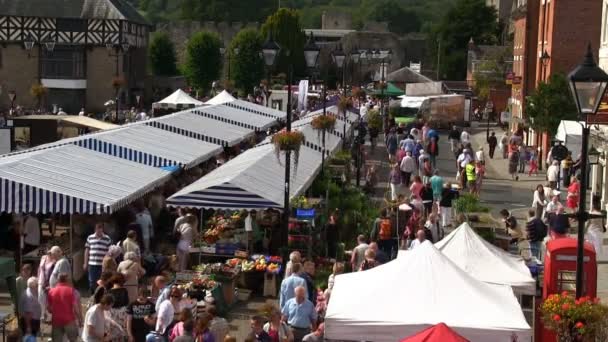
(415, 244)
(31, 230)
(145, 222)
(552, 207)
(537, 201)
(552, 173)
(248, 225)
(463, 159)
(464, 137)
(408, 164)
(480, 156)
(97, 319)
(165, 314)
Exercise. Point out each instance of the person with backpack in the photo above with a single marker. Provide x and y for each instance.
(536, 230)
(385, 235)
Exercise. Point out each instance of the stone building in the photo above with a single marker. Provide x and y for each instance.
(69, 52)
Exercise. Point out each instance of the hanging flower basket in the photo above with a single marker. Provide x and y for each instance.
(324, 122)
(288, 141)
(574, 319)
(345, 103)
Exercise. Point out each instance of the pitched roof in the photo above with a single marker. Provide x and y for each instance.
(407, 75)
(85, 9)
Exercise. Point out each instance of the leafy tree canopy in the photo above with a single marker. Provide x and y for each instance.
(490, 73)
(247, 65)
(284, 26)
(161, 54)
(550, 103)
(399, 19)
(203, 60)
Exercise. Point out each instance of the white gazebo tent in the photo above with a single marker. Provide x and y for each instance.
(486, 262)
(178, 100)
(221, 98)
(417, 290)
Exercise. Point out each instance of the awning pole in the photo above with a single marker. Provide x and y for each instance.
(71, 246)
(21, 240)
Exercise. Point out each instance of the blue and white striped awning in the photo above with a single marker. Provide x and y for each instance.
(313, 137)
(253, 180)
(202, 128)
(238, 117)
(307, 120)
(257, 109)
(150, 146)
(69, 179)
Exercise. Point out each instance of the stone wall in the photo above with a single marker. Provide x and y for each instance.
(17, 73)
(334, 20)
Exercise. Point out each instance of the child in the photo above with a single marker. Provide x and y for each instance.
(21, 282)
(533, 163)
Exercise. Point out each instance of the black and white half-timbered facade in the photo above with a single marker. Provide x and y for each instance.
(82, 51)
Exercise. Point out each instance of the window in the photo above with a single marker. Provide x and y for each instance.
(566, 281)
(65, 62)
(71, 25)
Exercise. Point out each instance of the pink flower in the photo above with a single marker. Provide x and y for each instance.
(557, 318)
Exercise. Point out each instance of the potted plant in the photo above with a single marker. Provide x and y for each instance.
(288, 141)
(573, 319)
(345, 103)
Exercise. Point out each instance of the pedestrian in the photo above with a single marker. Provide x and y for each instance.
(21, 284)
(407, 167)
(290, 283)
(300, 314)
(381, 257)
(391, 145)
(461, 162)
(471, 177)
(370, 260)
(385, 235)
(420, 238)
(178, 328)
(30, 310)
(331, 233)
(553, 174)
(437, 185)
(394, 181)
(513, 163)
(64, 306)
(432, 224)
(432, 149)
(465, 137)
(109, 264)
(218, 325)
(188, 334)
(427, 198)
(94, 329)
(186, 232)
(559, 223)
(201, 329)
(492, 142)
(416, 187)
(140, 316)
(166, 312)
(522, 151)
(539, 201)
(480, 172)
(161, 283)
(415, 133)
(130, 244)
(504, 145)
(144, 220)
(407, 144)
(445, 204)
(566, 168)
(131, 269)
(103, 285)
(294, 258)
(533, 162)
(61, 266)
(553, 206)
(418, 149)
(454, 137)
(308, 274)
(118, 313)
(257, 333)
(536, 230)
(573, 194)
(45, 270)
(511, 225)
(31, 233)
(95, 249)
(480, 155)
(277, 330)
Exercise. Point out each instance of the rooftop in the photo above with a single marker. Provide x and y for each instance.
(84, 9)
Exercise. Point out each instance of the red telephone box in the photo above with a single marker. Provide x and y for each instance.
(560, 275)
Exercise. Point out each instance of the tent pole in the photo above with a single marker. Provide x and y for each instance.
(72, 245)
(21, 240)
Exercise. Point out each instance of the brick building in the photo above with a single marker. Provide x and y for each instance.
(525, 38)
(565, 27)
(69, 55)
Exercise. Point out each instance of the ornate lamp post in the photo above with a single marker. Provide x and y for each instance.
(588, 85)
(117, 51)
(270, 51)
(230, 54)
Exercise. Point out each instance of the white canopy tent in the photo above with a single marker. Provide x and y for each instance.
(252, 180)
(351, 117)
(486, 262)
(257, 109)
(178, 100)
(570, 132)
(221, 98)
(418, 290)
(202, 128)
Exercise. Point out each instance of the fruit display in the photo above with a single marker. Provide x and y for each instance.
(273, 268)
(221, 227)
(262, 263)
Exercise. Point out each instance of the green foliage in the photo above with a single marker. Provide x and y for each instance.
(465, 20)
(399, 19)
(203, 60)
(469, 203)
(284, 25)
(490, 73)
(227, 10)
(550, 103)
(374, 119)
(161, 54)
(247, 65)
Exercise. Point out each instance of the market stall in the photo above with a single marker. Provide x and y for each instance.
(237, 116)
(221, 98)
(432, 289)
(177, 101)
(486, 262)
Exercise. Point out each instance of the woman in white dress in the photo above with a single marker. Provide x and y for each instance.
(186, 231)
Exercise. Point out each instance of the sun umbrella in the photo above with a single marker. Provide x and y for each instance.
(436, 333)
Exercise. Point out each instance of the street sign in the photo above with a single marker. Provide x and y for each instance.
(559, 152)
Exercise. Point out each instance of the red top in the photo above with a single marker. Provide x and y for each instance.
(436, 333)
(62, 300)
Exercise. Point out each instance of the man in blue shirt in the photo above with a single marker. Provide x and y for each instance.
(300, 314)
(289, 284)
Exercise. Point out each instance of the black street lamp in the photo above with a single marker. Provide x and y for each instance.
(588, 85)
(12, 95)
(229, 54)
(117, 51)
(270, 51)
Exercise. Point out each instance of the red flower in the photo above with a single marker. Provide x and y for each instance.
(566, 307)
(557, 318)
(579, 325)
(596, 300)
(565, 293)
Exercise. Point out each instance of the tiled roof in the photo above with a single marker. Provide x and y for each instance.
(85, 9)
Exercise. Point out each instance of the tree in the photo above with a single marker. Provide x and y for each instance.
(465, 20)
(490, 73)
(284, 26)
(247, 66)
(550, 103)
(203, 60)
(399, 19)
(161, 54)
(227, 10)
